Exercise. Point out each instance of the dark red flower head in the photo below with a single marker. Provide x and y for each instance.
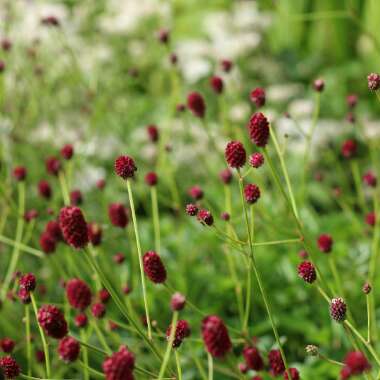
(24, 296)
(47, 243)
(357, 362)
(19, 173)
(349, 148)
(293, 373)
(154, 268)
(256, 160)
(76, 197)
(73, 226)
(118, 215)
(78, 294)
(6, 44)
(235, 154)
(338, 309)
(50, 21)
(68, 349)
(151, 179)
(101, 183)
(28, 282)
(258, 128)
(215, 336)
(225, 216)
(325, 243)
(253, 358)
(44, 189)
(345, 373)
(81, 320)
(258, 97)
(251, 193)
(173, 58)
(98, 310)
(178, 301)
(196, 192)
(104, 295)
(94, 231)
(216, 84)
(152, 132)
(118, 258)
(191, 209)
(366, 288)
(276, 364)
(67, 151)
(352, 100)
(30, 215)
(120, 365)
(319, 85)
(226, 176)
(226, 65)
(125, 167)
(182, 331)
(9, 367)
(181, 107)
(54, 230)
(205, 217)
(370, 179)
(52, 320)
(2, 66)
(307, 272)
(7, 345)
(373, 81)
(164, 36)
(370, 219)
(196, 104)
(53, 165)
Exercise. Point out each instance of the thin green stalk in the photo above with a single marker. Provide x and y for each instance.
(86, 374)
(22, 247)
(358, 185)
(210, 366)
(16, 249)
(120, 304)
(285, 171)
(100, 336)
(28, 340)
(323, 357)
(137, 237)
(169, 346)
(156, 219)
(259, 281)
(248, 298)
(43, 338)
(178, 362)
(363, 340)
(64, 189)
(369, 318)
(27, 377)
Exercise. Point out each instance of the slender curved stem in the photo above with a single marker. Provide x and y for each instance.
(86, 375)
(210, 366)
(156, 219)
(16, 248)
(259, 280)
(137, 237)
(178, 362)
(28, 340)
(64, 188)
(43, 338)
(169, 346)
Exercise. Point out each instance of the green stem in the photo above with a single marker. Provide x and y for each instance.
(259, 280)
(369, 318)
(16, 250)
(285, 171)
(43, 338)
(101, 337)
(323, 357)
(156, 219)
(210, 366)
(362, 339)
(137, 237)
(169, 345)
(120, 304)
(358, 185)
(178, 362)
(86, 375)
(64, 189)
(28, 340)
(21, 247)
